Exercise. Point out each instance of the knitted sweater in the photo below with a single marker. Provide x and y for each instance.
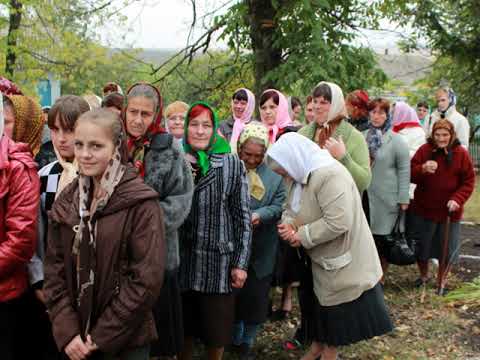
(450, 182)
(356, 159)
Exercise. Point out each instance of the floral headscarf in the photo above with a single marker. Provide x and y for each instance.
(258, 131)
(217, 145)
(136, 146)
(84, 246)
(452, 101)
(28, 125)
(8, 87)
(283, 116)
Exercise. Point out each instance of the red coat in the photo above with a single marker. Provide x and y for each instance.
(19, 201)
(433, 191)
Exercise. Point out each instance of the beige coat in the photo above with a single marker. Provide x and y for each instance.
(336, 236)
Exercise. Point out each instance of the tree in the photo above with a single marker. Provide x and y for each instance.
(452, 31)
(60, 37)
(294, 44)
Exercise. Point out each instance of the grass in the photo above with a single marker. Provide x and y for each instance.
(472, 207)
(426, 327)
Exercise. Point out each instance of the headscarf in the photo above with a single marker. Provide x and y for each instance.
(217, 145)
(452, 101)
(299, 157)
(336, 114)
(283, 118)
(136, 146)
(404, 116)
(258, 131)
(2, 119)
(84, 248)
(8, 87)
(240, 122)
(28, 126)
(446, 125)
(69, 172)
(375, 136)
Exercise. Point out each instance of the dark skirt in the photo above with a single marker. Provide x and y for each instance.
(252, 301)
(168, 315)
(287, 265)
(209, 317)
(347, 323)
(430, 237)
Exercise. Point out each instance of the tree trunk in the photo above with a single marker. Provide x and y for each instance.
(262, 20)
(15, 17)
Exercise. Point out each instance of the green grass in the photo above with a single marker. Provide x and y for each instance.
(472, 207)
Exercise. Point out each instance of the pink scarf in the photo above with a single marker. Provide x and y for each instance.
(403, 113)
(283, 117)
(240, 122)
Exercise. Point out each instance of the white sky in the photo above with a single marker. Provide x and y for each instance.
(165, 24)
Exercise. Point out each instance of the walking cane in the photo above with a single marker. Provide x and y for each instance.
(444, 266)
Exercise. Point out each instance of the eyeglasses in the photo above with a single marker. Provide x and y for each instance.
(177, 118)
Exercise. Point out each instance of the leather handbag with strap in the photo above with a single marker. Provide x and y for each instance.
(399, 252)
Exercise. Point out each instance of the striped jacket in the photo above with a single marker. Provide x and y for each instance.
(216, 236)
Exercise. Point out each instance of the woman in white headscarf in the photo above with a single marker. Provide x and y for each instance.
(332, 132)
(325, 220)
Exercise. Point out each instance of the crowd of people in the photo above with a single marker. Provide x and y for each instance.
(131, 231)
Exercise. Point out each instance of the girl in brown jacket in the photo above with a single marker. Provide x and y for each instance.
(106, 250)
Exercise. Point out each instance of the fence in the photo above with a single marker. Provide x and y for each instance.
(474, 150)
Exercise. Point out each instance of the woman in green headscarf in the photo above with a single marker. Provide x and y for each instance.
(215, 238)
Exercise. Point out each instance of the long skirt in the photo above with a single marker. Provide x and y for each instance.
(168, 315)
(287, 265)
(347, 323)
(430, 236)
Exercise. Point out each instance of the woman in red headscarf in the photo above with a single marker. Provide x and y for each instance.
(159, 160)
(357, 107)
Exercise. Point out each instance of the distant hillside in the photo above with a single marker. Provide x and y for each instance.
(406, 68)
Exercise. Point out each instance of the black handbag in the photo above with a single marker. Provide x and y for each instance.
(399, 252)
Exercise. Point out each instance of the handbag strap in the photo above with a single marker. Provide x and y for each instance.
(399, 226)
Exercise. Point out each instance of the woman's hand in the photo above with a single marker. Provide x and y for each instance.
(255, 219)
(295, 241)
(285, 231)
(430, 167)
(453, 206)
(77, 349)
(336, 148)
(403, 207)
(90, 344)
(238, 278)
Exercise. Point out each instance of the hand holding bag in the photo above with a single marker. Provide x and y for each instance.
(399, 253)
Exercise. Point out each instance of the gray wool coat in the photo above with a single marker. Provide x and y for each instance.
(169, 174)
(390, 183)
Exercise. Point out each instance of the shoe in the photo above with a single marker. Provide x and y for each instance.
(279, 315)
(443, 292)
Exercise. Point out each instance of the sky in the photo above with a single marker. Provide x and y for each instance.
(165, 24)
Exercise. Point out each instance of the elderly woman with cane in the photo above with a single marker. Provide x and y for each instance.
(443, 172)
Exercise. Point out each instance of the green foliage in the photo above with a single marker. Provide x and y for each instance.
(468, 292)
(452, 30)
(59, 37)
(212, 77)
(316, 38)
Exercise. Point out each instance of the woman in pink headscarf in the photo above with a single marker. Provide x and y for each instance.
(243, 106)
(274, 113)
(405, 122)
